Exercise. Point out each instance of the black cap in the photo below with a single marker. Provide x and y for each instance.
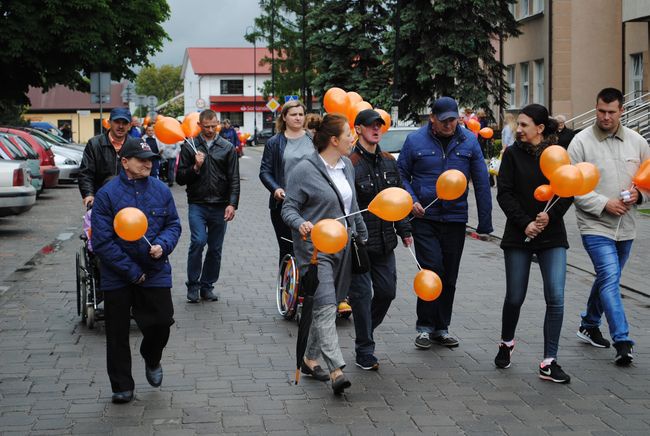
(137, 149)
(368, 116)
(445, 108)
(121, 113)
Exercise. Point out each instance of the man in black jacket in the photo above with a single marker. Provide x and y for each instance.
(212, 178)
(374, 171)
(100, 160)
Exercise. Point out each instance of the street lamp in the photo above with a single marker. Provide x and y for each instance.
(252, 32)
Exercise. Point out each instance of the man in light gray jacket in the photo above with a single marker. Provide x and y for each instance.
(606, 217)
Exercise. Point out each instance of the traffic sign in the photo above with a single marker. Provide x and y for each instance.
(288, 98)
(273, 105)
(152, 101)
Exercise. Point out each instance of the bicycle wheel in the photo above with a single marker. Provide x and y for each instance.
(286, 289)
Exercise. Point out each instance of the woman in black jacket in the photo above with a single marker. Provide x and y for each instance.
(281, 152)
(519, 176)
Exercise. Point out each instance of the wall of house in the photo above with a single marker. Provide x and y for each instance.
(82, 126)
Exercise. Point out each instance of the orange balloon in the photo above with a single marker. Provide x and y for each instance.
(387, 121)
(329, 236)
(391, 204)
(355, 109)
(566, 181)
(218, 128)
(543, 193)
(552, 158)
(159, 117)
(354, 98)
(106, 124)
(130, 224)
(168, 130)
(451, 184)
(427, 285)
(147, 120)
(590, 177)
(486, 132)
(336, 101)
(642, 176)
(473, 125)
(190, 125)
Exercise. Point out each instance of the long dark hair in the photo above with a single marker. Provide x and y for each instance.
(539, 115)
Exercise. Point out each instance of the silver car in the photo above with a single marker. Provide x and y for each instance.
(68, 160)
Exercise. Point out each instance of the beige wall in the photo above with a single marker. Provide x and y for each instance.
(82, 126)
(637, 40)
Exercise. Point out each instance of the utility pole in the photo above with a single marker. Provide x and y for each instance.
(396, 90)
(306, 99)
(272, 29)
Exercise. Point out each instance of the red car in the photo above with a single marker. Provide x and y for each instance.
(49, 170)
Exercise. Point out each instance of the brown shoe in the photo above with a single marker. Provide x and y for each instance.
(317, 372)
(340, 384)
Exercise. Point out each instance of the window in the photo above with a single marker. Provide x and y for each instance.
(511, 8)
(236, 118)
(539, 81)
(636, 74)
(510, 77)
(538, 6)
(524, 8)
(524, 80)
(232, 87)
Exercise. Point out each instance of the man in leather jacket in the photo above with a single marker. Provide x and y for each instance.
(100, 160)
(211, 174)
(374, 171)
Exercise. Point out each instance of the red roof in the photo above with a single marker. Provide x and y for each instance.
(225, 60)
(63, 98)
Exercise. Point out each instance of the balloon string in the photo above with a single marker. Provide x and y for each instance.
(286, 239)
(428, 206)
(191, 145)
(617, 227)
(548, 207)
(415, 258)
(145, 238)
(350, 214)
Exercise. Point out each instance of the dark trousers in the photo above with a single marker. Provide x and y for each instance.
(153, 312)
(207, 226)
(438, 247)
(281, 231)
(370, 297)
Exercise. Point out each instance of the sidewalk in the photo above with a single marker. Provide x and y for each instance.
(229, 365)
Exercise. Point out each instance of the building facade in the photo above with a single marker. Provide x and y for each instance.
(230, 82)
(570, 49)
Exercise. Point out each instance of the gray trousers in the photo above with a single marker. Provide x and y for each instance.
(323, 339)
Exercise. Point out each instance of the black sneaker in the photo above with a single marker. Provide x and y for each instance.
(623, 353)
(423, 341)
(367, 362)
(592, 336)
(503, 356)
(553, 372)
(446, 340)
(193, 296)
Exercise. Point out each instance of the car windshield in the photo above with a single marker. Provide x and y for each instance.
(12, 149)
(25, 145)
(393, 140)
(46, 137)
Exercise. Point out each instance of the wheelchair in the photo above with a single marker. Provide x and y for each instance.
(89, 297)
(287, 291)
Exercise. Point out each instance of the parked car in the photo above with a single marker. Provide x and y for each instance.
(48, 169)
(259, 138)
(68, 160)
(393, 140)
(17, 195)
(46, 127)
(30, 156)
(54, 139)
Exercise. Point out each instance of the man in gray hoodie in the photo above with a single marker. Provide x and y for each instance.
(606, 217)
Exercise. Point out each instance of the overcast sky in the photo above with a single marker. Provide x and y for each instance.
(205, 23)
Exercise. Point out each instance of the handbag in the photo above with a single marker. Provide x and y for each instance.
(358, 250)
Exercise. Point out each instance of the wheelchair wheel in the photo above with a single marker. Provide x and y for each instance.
(286, 288)
(78, 270)
(90, 317)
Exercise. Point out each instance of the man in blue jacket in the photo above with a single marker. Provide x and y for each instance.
(439, 228)
(135, 277)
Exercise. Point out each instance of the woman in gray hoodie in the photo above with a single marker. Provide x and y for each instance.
(322, 186)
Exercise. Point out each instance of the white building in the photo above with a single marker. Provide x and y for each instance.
(228, 81)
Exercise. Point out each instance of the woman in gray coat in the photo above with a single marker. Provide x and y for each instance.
(316, 189)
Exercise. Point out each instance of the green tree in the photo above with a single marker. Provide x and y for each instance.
(164, 82)
(51, 42)
(174, 109)
(347, 43)
(279, 28)
(446, 48)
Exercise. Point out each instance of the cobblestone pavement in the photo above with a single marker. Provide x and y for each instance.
(229, 365)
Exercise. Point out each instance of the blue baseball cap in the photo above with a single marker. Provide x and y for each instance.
(120, 113)
(445, 108)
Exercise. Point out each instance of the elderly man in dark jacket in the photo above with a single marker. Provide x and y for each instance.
(439, 228)
(100, 160)
(136, 276)
(374, 171)
(211, 173)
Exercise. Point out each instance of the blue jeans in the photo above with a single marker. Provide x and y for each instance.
(609, 257)
(438, 247)
(207, 225)
(171, 170)
(369, 310)
(552, 263)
